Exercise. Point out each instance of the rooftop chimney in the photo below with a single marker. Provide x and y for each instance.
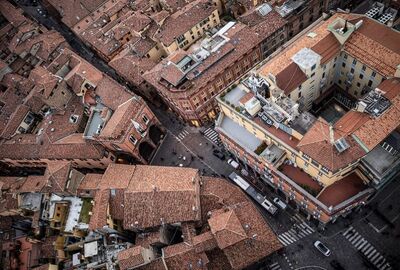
(331, 135)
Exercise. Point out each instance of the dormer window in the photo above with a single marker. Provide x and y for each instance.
(132, 139)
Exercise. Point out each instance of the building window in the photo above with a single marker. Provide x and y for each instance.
(299, 94)
(312, 75)
(370, 83)
(364, 68)
(358, 85)
(361, 76)
(344, 64)
(345, 56)
(180, 38)
(132, 139)
(352, 70)
(145, 119)
(354, 62)
(373, 74)
(313, 67)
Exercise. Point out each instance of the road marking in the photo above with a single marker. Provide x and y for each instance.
(366, 248)
(213, 136)
(274, 266)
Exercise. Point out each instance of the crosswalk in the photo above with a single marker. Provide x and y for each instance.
(274, 266)
(182, 135)
(298, 231)
(212, 136)
(368, 250)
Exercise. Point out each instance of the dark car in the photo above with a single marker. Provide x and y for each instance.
(219, 155)
(336, 265)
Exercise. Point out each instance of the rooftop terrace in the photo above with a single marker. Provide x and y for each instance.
(342, 190)
(301, 178)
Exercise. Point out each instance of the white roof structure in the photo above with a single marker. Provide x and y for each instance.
(306, 58)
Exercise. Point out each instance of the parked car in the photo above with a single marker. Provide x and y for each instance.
(233, 163)
(336, 265)
(322, 248)
(219, 155)
(280, 203)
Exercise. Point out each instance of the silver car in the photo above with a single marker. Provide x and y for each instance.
(322, 248)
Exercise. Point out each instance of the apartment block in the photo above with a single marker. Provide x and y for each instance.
(188, 80)
(56, 106)
(305, 129)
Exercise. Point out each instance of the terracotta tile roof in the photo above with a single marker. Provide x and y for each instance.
(34, 149)
(12, 15)
(226, 228)
(327, 48)
(375, 130)
(148, 238)
(283, 59)
(183, 20)
(182, 256)
(290, 78)
(263, 25)
(217, 193)
(53, 181)
(116, 203)
(242, 40)
(12, 110)
(342, 190)
(173, 5)
(260, 242)
(121, 119)
(130, 258)
(73, 11)
(131, 66)
(316, 144)
(204, 242)
(44, 80)
(351, 121)
(375, 45)
(369, 130)
(159, 195)
(99, 210)
(89, 185)
(112, 94)
(117, 176)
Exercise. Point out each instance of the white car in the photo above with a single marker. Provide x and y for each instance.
(233, 163)
(322, 248)
(279, 203)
